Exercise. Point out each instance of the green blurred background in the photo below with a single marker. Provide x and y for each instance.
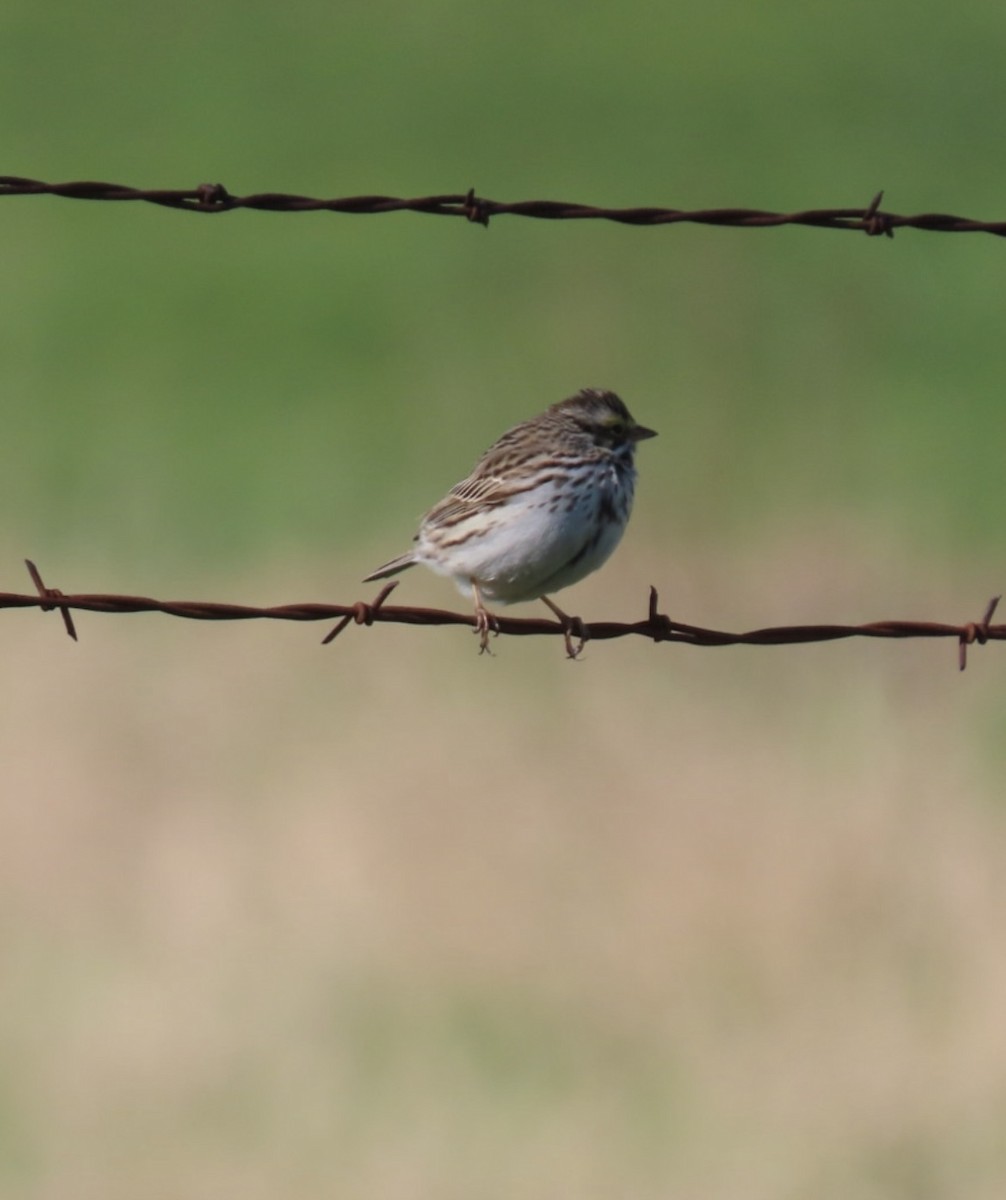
(389, 919)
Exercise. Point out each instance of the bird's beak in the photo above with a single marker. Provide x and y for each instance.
(640, 433)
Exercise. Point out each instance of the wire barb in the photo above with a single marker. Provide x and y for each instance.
(211, 198)
(875, 222)
(661, 626)
(361, 612)
(976, 632)
(476, 210)
(50, 598)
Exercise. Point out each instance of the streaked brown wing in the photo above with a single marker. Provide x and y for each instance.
(471, 494)
(504, 470)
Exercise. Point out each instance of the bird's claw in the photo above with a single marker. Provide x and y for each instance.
(572, 627)
(485, 623)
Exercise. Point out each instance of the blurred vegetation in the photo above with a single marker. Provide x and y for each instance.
(390, 920)
(180, 385)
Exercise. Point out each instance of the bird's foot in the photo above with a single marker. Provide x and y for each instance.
(485, 622)
(572, 627)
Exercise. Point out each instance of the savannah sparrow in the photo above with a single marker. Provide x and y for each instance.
(543, 508)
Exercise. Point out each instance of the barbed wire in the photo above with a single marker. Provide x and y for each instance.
(215, 198)
(656, 626)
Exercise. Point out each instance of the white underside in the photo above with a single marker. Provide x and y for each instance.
(525, 551)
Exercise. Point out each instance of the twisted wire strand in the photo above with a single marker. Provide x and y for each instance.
(656, 626)
(208, 198)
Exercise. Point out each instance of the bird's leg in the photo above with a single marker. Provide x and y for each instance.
(572, 627)
(484, 621)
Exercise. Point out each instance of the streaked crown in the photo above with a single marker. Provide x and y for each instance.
(603, 416)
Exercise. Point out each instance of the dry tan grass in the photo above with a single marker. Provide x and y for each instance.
(390, 920)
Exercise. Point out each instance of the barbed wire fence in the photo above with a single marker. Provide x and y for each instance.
(656, 626)
(214, 198)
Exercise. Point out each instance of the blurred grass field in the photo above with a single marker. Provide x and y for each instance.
(388, 919)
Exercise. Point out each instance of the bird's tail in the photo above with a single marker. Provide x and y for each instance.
(401, 563)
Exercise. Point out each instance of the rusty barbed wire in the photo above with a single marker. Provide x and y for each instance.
(656, 626)
(215, 198)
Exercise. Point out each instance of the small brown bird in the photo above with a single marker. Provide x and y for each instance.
(544, 507)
